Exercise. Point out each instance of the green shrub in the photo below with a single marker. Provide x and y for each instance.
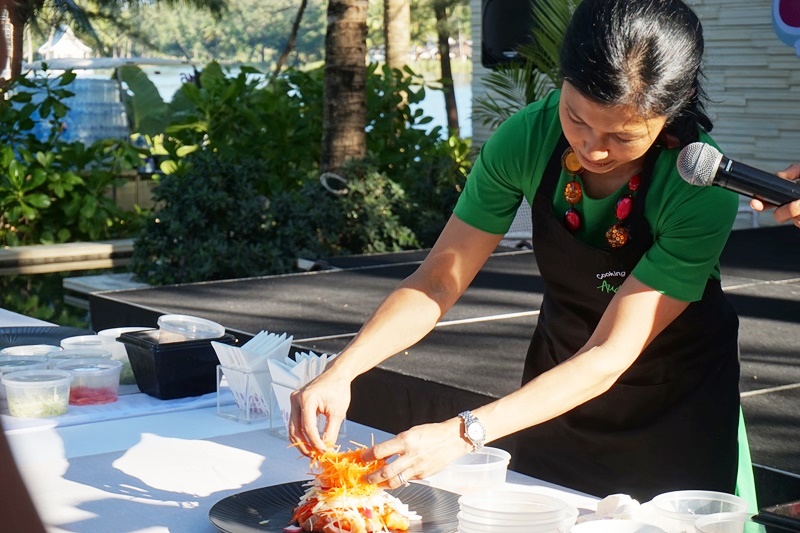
(211, 223)
(51, 190)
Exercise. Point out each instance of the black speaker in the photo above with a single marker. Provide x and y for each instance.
(505, 26)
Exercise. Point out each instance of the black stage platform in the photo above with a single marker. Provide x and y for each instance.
(477, 351)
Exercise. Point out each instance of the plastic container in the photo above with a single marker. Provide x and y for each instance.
(94, 381)
(615, 526)
(168, 370)
(728, 523)
(17, 363)
(30, 349)
(77, 353)
(513, 504)
(37, 393)
(474, 472)
(119, 352)
(677, 512)
(179, 328)
(85, 341)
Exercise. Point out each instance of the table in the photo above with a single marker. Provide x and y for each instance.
(147, 465)
(164, 472)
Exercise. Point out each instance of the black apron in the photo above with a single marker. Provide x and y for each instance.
(670, 421)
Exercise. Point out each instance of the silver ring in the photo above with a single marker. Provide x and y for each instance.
(403, 480)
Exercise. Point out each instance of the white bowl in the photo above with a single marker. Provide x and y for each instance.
(467, 526)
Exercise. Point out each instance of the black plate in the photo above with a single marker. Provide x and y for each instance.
(270, 508)
(52, 335)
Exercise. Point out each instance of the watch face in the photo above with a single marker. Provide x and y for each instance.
(475, 432)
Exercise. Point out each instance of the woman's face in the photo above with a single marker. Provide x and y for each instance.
(605, 138)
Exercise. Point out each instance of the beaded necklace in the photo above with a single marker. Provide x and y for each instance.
(617, 235)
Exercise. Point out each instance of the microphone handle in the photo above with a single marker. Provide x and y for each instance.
(749, 181)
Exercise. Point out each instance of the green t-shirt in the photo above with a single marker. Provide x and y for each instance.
(690, 224)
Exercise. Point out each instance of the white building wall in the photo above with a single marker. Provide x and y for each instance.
(753, 82)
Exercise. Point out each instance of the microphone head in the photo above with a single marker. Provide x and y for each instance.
(698, 163)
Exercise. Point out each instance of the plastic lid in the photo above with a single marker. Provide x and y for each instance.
(90, 367)
(30, 349)
(81, 353)
(9, 363)
(191, 327)
(37, 378)
(83, 340)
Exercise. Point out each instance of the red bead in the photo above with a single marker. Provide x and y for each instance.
(633, 185)
(624, 207)
(572, 220)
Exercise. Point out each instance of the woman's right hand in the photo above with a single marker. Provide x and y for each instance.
(327, 395)
(790, 211)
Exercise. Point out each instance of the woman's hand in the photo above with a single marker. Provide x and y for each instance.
(327, 395)
(790, 211)
(420, 452)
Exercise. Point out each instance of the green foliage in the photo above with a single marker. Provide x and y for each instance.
(358, 212)
(211, 224)
(52, 190)
(238, 140)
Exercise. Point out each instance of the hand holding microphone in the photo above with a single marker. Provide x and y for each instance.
(702, 164)
(790, 211)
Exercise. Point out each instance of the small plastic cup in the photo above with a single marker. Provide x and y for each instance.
(728, 523)
(77, 353)
(474, 471)
(179, 328)
(94, 381)
(17, 363)
(30, 349)
(37, 393)
(85, 341)
(678, 511)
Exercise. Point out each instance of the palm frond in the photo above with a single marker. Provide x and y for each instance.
(510, 88)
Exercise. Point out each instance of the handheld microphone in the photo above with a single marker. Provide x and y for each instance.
(702, 164)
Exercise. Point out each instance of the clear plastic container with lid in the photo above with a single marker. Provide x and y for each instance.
(78, 353)
(37, 393)
(94, 381)
(30, 349)
(177, 328)
(17, 363)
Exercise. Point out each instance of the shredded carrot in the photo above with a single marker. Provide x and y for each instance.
(342, 473)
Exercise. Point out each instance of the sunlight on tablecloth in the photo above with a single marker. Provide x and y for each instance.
(182, 466)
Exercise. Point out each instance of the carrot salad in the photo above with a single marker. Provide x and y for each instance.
(338, 500)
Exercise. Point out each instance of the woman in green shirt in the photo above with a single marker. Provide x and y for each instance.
(631, 380)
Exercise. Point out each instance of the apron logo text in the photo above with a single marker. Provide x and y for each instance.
(607, 287)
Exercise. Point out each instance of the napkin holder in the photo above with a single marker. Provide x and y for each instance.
(174, 369)
(251, 394)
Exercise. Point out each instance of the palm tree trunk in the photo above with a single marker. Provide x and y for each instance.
(344, 117)
(397, 32)
(443, 30)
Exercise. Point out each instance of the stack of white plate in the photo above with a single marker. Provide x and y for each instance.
(510, 511)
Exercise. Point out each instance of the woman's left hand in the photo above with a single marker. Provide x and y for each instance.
(420, 452)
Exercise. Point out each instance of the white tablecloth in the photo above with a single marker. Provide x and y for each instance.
(164, 472)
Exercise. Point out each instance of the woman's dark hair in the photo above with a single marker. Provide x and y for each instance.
(640, 53)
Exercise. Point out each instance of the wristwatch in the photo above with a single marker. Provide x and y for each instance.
(474, 431)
